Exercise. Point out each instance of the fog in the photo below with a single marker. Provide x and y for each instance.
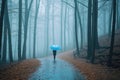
(55, 24)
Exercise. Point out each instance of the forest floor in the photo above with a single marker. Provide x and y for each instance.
(18, 70)
(99, 70)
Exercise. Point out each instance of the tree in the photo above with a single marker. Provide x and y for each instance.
(95, 22)
(27, 12)
(4, 40)
(65, 20)
(104, 20)
(89, 30)
(1, 21)
(95, 43)
(20, 30)
(9, 34)
(109, 63)
(110, 21)
(47, 25)
(35, 25)
(61, 23)
(76, 32)
(117, 15)
(81, 29)
(92, 29)
(53, 22)
(7, 30)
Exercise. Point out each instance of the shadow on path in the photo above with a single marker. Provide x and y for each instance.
(59, 70)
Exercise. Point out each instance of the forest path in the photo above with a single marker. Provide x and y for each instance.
(59, 70)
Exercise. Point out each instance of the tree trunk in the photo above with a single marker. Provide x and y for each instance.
(35, 25)
(117, 14)
(89, 30)
(9, 34)
(110, 20)
(113, 34)
(47, 26)
(81, 29)
(95, 15)
(27, 12)
(53, 35)
(1, 22)
(95, 43)
(65, 20)
(4, 55)
(62, 25)
(76, 32)
(68, 28)
(20, 30)
(25, 30)
(104, 21)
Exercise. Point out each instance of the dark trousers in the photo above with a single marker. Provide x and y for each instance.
(54, 54)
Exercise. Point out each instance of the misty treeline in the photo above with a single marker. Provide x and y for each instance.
(29, 27)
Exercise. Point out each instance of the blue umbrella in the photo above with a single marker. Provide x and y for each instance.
(55, 47)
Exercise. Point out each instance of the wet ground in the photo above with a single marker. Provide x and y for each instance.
(56, 70)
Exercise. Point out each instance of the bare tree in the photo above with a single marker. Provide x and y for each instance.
(27, 13)
(47, 25)
(53, 22)
(65, 20)
(1, 21)
(113, 34)
(9, 34)
(4, 41)
(110, 20)
(81, 29)
(35, 25)
(76, 32)
(61, 23)
(89, 30)
(20, 30)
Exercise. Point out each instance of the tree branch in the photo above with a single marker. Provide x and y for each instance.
(68, 4)
(82, 4)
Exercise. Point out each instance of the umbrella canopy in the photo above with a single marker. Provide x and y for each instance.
(55, 47)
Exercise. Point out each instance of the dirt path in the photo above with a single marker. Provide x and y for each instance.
(91, 71)
(59, 70)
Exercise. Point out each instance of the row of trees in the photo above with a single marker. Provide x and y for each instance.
(92, 29)
(41, 23)
(27, 32)
(6, 30)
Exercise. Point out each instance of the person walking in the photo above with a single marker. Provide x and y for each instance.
(54, 48)
(54, 54)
